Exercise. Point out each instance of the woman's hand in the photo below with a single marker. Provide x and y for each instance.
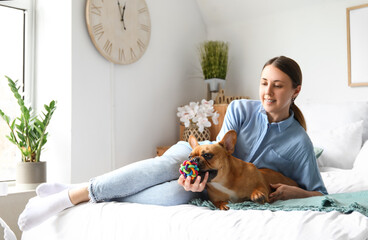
(197, 186)
(285, 192)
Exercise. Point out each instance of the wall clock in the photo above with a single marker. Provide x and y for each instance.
(119, 29)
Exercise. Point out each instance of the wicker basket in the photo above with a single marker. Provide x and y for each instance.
(193, 130)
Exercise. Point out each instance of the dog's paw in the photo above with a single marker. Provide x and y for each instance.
(259, 197)
(222, 205)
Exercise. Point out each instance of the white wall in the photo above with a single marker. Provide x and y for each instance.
(313, 32)
(111, 115)
(53, 81)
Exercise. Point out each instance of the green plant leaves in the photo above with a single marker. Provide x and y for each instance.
(28, 132)
(214, 59)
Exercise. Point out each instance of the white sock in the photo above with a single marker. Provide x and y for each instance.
(40, 209)
(47, 189)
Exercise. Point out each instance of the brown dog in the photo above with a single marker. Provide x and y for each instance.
(231, 179)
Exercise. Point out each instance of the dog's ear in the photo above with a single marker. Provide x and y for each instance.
(229, 141)
(192, 141)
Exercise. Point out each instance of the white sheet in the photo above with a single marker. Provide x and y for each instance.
(110, 221)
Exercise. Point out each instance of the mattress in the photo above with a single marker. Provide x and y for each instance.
(137, 221)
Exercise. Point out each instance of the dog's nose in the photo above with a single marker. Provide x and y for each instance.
(196, 160)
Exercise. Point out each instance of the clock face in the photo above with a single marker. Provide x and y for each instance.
(119, 29)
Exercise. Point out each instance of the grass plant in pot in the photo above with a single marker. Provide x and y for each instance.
(28, 133)
(214, 63)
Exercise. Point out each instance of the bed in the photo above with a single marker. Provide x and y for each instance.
(339, 131)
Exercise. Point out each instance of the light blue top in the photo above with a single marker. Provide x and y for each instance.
(283, 146)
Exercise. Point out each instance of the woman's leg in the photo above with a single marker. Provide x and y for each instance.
(165, 194)
(119, 184)
(138, 176)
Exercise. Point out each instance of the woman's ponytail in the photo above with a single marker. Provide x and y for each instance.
(298, 115)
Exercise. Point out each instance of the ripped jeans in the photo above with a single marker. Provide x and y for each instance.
(151, 181)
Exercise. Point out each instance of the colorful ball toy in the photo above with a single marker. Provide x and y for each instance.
(189, 168)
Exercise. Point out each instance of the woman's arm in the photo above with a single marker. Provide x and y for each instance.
(285, 192)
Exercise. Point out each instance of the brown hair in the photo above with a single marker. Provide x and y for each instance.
(292, 69)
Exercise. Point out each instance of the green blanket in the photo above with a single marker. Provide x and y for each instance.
(341, 202)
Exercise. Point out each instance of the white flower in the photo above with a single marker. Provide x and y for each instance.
(207, 105)
(202, 123)
(215, 117)
(199, 114)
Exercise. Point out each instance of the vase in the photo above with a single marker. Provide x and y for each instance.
(214, 84)
(30, 174)
(193, 130)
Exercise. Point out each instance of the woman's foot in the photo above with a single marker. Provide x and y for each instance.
(40, 209)
(47, 189)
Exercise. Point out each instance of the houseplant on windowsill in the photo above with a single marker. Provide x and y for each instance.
(28, 133)
(214, 63)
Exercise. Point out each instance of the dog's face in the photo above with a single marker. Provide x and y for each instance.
(212, 157)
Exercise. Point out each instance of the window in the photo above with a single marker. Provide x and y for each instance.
(15, 61)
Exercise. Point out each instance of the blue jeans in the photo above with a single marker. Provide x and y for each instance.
(151, 181)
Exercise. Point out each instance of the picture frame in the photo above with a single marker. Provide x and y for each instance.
(357, 45)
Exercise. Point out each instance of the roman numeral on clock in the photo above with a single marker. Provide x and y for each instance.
(108, 46)
(132, 54)
(96, 9)
(142, 10)
(140, 45)
(121, 55)
(98, 30)
(145, 28)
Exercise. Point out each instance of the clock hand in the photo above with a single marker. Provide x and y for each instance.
(120, 10)
(122, 16)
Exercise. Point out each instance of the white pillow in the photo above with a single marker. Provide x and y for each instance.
(340, 145)
(340, 181)
(361, 161)
(321, 116)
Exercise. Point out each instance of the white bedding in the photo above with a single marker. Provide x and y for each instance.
(132, 221)
(110, 221)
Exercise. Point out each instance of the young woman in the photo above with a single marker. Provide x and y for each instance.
(271, 134)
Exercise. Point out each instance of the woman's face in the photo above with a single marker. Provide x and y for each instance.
(276, 92)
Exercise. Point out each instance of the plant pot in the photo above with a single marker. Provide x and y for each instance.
(215, 83)
(30, 174)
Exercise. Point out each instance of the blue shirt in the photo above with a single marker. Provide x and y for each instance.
(283, 146)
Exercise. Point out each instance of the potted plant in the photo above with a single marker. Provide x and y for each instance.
(28, 133)
(214, 63)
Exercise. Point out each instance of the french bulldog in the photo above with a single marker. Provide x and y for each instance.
(231, 179)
